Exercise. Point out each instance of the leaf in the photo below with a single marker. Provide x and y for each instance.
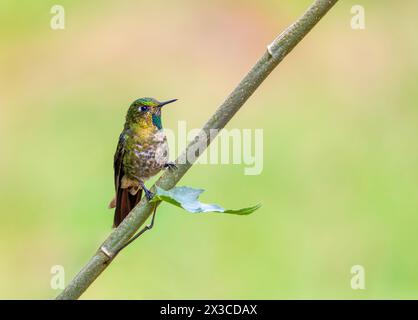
(187, 198)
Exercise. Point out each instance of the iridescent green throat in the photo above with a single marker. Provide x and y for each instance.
(156, 120)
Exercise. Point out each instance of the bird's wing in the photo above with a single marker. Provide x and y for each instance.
(125, 201)
(118, 161)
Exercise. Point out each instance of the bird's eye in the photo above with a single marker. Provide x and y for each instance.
(144, 108)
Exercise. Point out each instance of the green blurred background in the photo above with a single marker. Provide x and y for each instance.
(340, 120)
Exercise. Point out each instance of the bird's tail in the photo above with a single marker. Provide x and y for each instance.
(125, 202)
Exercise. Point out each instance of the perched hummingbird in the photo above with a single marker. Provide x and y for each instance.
(141, 153)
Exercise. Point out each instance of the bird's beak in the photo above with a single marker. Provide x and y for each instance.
(167, 102)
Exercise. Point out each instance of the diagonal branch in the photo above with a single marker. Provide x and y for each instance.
(276, 51)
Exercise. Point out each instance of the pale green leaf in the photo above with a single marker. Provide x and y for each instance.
(188, 199)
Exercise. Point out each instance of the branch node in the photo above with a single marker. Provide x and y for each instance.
(274, 47)
(106, 252)
(270, 49)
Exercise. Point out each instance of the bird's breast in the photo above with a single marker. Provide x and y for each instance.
(147, 157)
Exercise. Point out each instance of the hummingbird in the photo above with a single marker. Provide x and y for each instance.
(141, 153)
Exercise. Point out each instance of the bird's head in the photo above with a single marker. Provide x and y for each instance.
(146, 113)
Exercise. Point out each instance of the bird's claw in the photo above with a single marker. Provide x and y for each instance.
(148, 194)
(170, 166)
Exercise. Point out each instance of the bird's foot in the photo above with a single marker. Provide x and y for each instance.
(148, 194)
(170, 166)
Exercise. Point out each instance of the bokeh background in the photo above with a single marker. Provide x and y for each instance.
(340, 120)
